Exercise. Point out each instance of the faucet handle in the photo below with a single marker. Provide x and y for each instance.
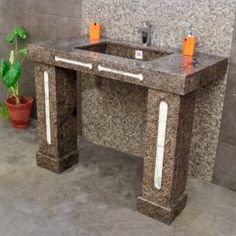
(147, 24)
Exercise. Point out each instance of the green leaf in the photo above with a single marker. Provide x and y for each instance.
(12, 75)
(21, 32)
(4, 112)
(23, 51)
(16, 32)
(11, 37)
(4, 67)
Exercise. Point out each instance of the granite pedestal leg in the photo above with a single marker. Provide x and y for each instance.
(168, 136)
(57, 117)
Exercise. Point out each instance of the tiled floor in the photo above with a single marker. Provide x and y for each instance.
(97, 197)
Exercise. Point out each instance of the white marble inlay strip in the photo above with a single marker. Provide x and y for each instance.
(162, 122)
(106, 69)
(47, 107)
(77, 63)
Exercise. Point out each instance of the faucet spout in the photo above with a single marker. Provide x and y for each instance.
(146, 32)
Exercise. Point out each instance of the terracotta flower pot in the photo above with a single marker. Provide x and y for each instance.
(20, 114)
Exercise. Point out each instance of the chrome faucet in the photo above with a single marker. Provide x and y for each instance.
(146, 32)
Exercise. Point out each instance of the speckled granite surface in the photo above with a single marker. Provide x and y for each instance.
(175, 73)
(208, 112)
(122, 112)
(62, 153)
(212, 21)
(121, 107)
(106, 103)
(118, 117)
(212, 24)
(167, 202)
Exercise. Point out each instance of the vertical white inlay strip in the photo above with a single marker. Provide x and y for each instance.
(47, 107)
(162, 121)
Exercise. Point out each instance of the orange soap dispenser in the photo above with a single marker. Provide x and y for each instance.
(94, 31)
(189, 43)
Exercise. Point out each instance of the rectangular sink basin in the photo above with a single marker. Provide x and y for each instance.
(125, 51)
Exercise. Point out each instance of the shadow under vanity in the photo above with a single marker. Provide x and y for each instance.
(141, 107)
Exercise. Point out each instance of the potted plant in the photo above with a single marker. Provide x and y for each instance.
(17, 107)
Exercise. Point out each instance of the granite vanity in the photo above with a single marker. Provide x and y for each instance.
(143, 107)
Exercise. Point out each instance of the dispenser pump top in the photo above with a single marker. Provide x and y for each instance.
(189, 31)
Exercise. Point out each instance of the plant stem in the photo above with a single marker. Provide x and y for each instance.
(15, 95)
(16, 48)
(17, 89)
(17, 100)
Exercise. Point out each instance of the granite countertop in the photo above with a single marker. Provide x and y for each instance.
(170, 73)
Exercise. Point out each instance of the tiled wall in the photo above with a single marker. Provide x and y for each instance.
(225, 168)
(44, 19)
(213, 25)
